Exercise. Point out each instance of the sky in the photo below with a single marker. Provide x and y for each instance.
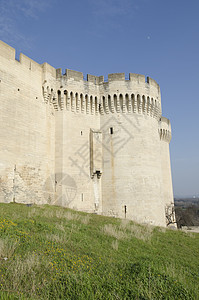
(157, 38)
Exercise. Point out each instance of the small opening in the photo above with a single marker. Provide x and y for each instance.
(17, 56)
(95, 104)
(76, 100)
(121, 101)
(18, 90)
(36, 97)
(115, 101)
(59, 98)
(109, 102)
(91, 104)
(125, 210)
(81, 132)
(111, 130)
(104, 103)
(98, 173)
(55, 184)
(82, 197)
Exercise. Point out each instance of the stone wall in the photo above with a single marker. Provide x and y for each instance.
(93, 145)
(27, 138)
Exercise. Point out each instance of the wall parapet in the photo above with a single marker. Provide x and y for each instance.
(116, 77)
(95, 79)
(165, 129)
(55, 123)
(132, 77)
(8, 52)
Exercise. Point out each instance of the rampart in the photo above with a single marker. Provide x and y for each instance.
(95, 145)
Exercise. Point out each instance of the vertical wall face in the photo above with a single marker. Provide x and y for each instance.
(73, 162)
(167, 190)
(77, 113)
(132, 178)
(90, 145)
(27, 130)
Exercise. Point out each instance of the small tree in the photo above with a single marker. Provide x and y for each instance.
(170, 214)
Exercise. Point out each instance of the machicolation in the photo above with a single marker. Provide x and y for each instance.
(92, 145)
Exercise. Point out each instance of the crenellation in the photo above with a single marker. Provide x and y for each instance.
(48, 70)
(74, 74)
(93, 145)
(116, 77)
(136, 78)
(101, 79)
(7, 51)
(165, 129)
(165, 120)
(58, 73)
(94, 79)
(30, 64)
(153, 83)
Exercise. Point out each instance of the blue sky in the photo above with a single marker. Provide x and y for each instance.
(156, 38)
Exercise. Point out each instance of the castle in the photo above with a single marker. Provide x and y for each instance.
(94, 145)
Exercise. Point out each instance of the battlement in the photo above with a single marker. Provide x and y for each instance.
(165, 129)
(95, 79)
(116, 77)
(136, 78)
(56, 123)
(8, 52)
(166, 122)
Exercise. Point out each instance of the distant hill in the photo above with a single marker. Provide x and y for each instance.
(184, 202)
(187, 211)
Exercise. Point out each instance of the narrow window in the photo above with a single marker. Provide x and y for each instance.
(95, 104)
(59, 98)
(104, 103)
(81, 132)
(82, 102)
(125, 210)
(109, 102)
(111, 130)
(121, 102)
(115, 101)
(76, 100)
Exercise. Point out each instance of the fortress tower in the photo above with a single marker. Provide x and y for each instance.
(92, 145)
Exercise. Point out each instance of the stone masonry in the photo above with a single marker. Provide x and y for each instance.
(92, 145)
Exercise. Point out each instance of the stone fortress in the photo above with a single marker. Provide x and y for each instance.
(92, 145)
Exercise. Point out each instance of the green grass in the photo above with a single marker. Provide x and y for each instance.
(55, 253)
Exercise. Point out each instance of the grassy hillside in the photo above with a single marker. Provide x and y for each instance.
(55, 253)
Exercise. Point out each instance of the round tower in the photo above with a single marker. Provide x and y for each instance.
(133, 184)
(93, 145)
(111, 139)
(167, 189)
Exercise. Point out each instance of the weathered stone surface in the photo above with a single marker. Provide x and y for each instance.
(92, 145)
